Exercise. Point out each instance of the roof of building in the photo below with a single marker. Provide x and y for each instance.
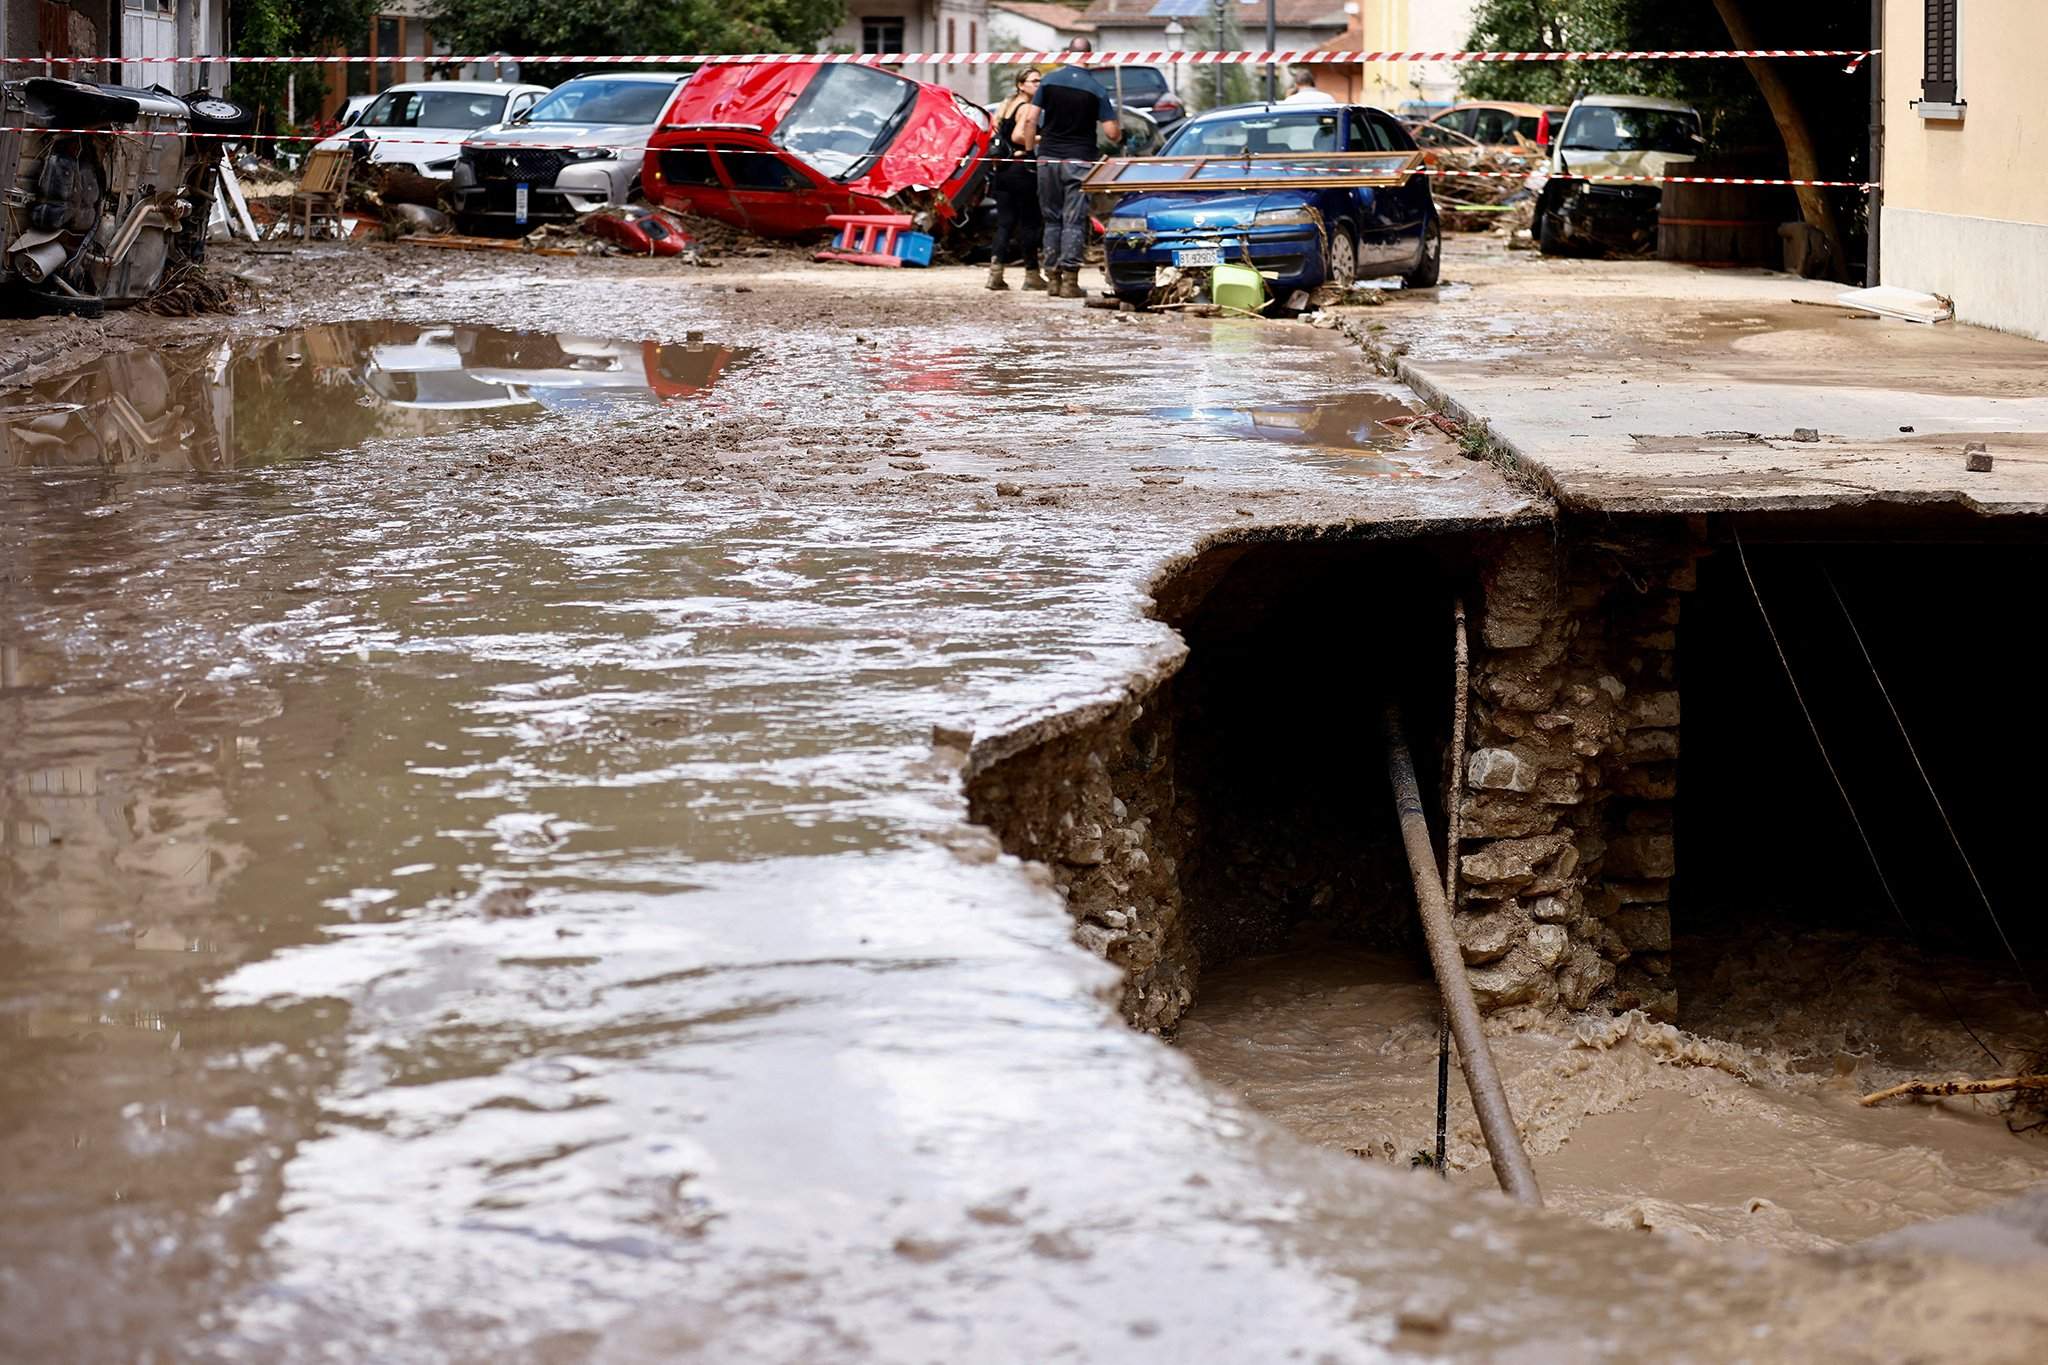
(1155, 13)
(1065, 18)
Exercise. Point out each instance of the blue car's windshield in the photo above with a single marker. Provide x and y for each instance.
(1259, 133)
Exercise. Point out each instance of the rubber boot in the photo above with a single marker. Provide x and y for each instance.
(1034, 280)
(1070, 285)
(995, 276)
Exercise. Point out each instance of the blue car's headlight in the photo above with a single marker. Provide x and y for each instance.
(1126, 223)
(1289, 216)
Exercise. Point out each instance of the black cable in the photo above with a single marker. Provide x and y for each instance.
(1443, 1087)
(1869, 849)
(2026, 978)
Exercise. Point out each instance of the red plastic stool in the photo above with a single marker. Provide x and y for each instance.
(865, 238)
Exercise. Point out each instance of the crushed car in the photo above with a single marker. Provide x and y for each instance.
(1306, 194)
(1611, 135)
(579, 148)
(103, 197)
(778, 148)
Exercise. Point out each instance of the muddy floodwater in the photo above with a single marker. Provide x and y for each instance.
(480, 880)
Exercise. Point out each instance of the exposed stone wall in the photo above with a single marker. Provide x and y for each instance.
(1100, 807)
(1571, 772)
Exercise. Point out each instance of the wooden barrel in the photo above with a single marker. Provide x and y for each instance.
(1723, 224)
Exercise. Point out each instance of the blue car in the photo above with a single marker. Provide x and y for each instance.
(1297, 238)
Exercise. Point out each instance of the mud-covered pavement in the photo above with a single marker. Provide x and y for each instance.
(495, 889)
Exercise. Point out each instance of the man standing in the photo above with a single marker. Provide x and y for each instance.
(1070, 110)
(1305, 91)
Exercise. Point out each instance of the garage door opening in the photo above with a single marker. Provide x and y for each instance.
(1780, 908)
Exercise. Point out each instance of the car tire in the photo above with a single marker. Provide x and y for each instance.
(1340, 258)
(1429, 269)
(1549, 241)
(35, 303)
(212, 114)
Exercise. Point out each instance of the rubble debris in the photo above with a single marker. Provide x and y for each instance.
(1942, 1089)
(408, 218)
(640, 231)
(1906, 304)
(1977, 458)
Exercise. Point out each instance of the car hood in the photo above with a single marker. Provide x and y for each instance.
(404, 144)
(1620, 163)
(564, 135)
(1180, 210)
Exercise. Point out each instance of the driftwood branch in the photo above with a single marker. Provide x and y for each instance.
(1941, 1088)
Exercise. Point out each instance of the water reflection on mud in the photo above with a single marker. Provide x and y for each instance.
(332, 387)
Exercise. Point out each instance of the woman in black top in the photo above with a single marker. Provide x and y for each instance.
(1015, 185)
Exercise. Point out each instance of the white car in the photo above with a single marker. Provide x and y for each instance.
(420, 126)
(1617, 136)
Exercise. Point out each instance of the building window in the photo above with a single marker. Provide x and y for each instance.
(1939, 84)
(952, 35)
(973, 36)
(879, 35)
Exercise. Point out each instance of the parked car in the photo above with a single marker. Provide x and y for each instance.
(1298, 238)
(90, 213)
(419, 126)
(777, 148)
(1145, 88)
(1612, 135)
(1502, 124)
(579, 148)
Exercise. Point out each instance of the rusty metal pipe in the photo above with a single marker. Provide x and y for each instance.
(1475, 1058)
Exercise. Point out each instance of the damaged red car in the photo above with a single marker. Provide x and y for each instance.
(778, 147)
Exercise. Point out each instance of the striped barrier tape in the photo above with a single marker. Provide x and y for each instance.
(1434, 172)
(1308, 57)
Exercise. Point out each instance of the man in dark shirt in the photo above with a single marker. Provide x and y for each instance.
(1069, 111)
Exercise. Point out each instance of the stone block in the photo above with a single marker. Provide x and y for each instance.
(1489, 937)
(1638, 856)
(1647, 781)
(1640, 893)
(1655, 746)
(1513, 860)
(1584, 975)
(1653, 709)
(1555, 909)
(1644, 929)
(1518, 593)
(1517, 980)
(1548, 944)
(1501, 770)
(1561, 789)
(1505, 816)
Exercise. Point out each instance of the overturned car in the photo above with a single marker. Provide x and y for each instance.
(778, 148)
(102, 193)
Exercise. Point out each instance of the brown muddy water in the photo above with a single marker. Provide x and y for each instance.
(450, 918)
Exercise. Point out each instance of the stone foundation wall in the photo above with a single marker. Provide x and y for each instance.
(1100, 808)
(1571, 771)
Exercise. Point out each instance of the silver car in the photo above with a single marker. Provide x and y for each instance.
(417, 126)
(578, 149)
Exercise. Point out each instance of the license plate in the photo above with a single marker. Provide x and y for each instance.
(1201, 255)
(519, 197)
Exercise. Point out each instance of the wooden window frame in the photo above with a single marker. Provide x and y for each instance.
(1941, 86)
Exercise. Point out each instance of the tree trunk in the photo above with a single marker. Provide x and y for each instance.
(1804, 163)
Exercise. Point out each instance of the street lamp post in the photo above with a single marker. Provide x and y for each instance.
(1272, 41)
(1176, 39)
(1222, 18)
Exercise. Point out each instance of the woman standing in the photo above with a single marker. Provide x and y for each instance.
(1015, 184)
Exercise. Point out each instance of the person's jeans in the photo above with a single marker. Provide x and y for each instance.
(1017, 223)
(1065, 210)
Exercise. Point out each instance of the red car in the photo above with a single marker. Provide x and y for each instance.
(776, 148)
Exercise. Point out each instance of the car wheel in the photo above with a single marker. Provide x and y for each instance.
(1340, 266)
(1430, 268)
(1549, 238)
(37, 304)
(212, 114)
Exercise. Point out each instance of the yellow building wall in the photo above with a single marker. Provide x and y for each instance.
(1994, 162)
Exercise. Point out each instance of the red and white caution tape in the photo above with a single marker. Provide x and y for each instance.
(1299, 57)
(1434, 172)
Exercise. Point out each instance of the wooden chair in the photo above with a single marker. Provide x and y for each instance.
(317, 202)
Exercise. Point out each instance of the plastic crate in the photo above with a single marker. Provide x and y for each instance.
(914, 248)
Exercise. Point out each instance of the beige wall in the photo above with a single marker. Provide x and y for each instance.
(1994, 162)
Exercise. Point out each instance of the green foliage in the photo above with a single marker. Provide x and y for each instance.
(288, 28)
(475, 26)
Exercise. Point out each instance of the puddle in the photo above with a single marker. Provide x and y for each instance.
(1358, 433)
(328, 388)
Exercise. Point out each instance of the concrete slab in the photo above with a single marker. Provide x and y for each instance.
(1645, 387)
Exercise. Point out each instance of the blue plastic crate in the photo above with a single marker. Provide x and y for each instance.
(914, 248)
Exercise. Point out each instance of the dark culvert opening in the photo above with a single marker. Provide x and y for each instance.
(1292, 656)
(1242, 806)
(1773, 877)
